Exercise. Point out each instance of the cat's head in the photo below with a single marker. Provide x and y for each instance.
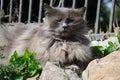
(64, 22)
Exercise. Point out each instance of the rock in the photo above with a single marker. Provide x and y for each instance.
(107, 68)
(33, 78)
(52, 72)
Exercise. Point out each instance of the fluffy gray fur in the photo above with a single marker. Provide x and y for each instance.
(61, 38)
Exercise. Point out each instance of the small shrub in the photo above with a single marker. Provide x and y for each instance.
(113, 45)
(100, 51)
(21, 67)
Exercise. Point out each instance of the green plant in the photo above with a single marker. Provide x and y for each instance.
(100, 51)
(21, 67)
(118, 37)
(80, 75)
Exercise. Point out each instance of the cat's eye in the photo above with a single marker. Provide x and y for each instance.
(68, 20)
(59, 20)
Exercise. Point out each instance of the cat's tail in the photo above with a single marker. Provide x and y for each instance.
(9, 32)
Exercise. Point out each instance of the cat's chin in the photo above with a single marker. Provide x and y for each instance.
(62, 35)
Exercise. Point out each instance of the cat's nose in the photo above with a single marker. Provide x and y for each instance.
(64, 25)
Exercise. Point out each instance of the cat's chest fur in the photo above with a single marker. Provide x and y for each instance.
(47, 48)
(61, 50)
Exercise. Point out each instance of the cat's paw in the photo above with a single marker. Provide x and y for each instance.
(58, 63)
(74, 68)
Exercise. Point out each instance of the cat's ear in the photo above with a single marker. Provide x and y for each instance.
(82, 11)
(47, 8)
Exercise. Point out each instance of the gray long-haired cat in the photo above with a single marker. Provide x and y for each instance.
(59, 39)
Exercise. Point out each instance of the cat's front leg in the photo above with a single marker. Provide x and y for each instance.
(74, 68)
(58, 63)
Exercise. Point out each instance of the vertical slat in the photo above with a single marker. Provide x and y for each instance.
(51, 2)
(111, 16)
(29, 13)
(61, 3)
(40, 11)
(73, 5)
(20, 11)
(85, 5)
(1, 8)
(1, 5)
(97, 16)
(10, 11)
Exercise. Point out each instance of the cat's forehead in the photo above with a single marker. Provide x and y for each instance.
(55, 11)
(64, 9)
(67, 11)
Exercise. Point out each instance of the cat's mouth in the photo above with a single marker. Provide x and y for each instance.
(63, 34)
(60, 33)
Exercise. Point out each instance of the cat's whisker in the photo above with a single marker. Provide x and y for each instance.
(52, 30)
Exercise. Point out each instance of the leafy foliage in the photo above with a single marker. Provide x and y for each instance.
(100, 51)
(118, 37)
(80, 75)
(21, 67)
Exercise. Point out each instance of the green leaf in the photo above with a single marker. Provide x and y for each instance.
(26, 54)
(112, 47)
(118, 37)
(20, 78)
(98, 50)
(14, 57)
